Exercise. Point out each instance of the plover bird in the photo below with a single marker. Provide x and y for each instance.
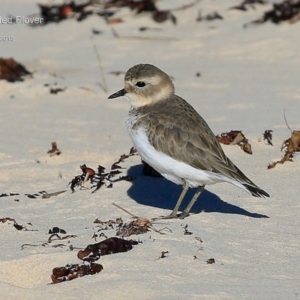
(174, 139)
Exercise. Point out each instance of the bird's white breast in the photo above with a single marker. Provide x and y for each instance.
(173, 170)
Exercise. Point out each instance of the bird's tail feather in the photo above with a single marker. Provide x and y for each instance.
(256, 191)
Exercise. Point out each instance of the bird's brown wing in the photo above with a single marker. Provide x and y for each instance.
(177, 130)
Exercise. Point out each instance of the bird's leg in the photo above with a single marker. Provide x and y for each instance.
(184, 191)
(175, 210)
(186, 212)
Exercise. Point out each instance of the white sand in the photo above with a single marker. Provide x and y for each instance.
(248, 78)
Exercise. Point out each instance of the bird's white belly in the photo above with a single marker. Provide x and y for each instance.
(173, 170)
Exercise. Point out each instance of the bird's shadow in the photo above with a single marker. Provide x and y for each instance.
(162, 193)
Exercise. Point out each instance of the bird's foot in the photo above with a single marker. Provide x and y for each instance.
(172, 216)
(183, 215)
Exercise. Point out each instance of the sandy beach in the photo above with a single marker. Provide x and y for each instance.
(236, 77)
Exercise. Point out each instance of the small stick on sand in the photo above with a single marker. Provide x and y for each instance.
(103, 84)
(159, 38)
(132, 215)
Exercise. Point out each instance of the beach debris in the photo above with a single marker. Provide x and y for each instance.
(148, 6)
(32, 196)
(103, 83)
(243, 6)
(95, 236)
(287, 10)
(73, 271)
(16, 225)
(104, 9)
(116, 73)
(76, 182)
(53, 237)
(268, 136)
(209, 17)
(12, 70)
(100, 178)
(112, 21)
(59, 12)
(163, 254)
(54, 150)
(56, 90)
(89, 255)
(235, 137)
(161, 16)
(57, 230)
(46, 195)
(96, 31)
(211, 261)
(107, 225)
(198, 238)
(9, 194)
(111, 245)
(186, 231)
(291, 145)
(137, 226)
(146, 28)
(87, 175)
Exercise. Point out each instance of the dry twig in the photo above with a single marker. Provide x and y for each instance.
(103, 84)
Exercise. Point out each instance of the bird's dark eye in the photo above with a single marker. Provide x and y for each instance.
(140, 83)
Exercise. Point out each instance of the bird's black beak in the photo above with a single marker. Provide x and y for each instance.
(118, 94)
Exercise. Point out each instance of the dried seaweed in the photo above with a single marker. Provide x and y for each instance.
(100, 178)
(46, 195)
(70, 272)
(287, 10)
(9, 194)
(35, 195)
(110, 224)
(32, 196)
(149, 6)
(57, 230)
(54, 150)
(57, 13)
(186, 231)
(235, 137)
(268, 136)
(209, 17)
(163, 255)
(69, 9)
(52, 237)
(55, 236)
(56, 90)
(111, 245)
(15, 224)
(291, 145)
(243, 6)
(11, 70)
(211, 261)
(138, 226)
